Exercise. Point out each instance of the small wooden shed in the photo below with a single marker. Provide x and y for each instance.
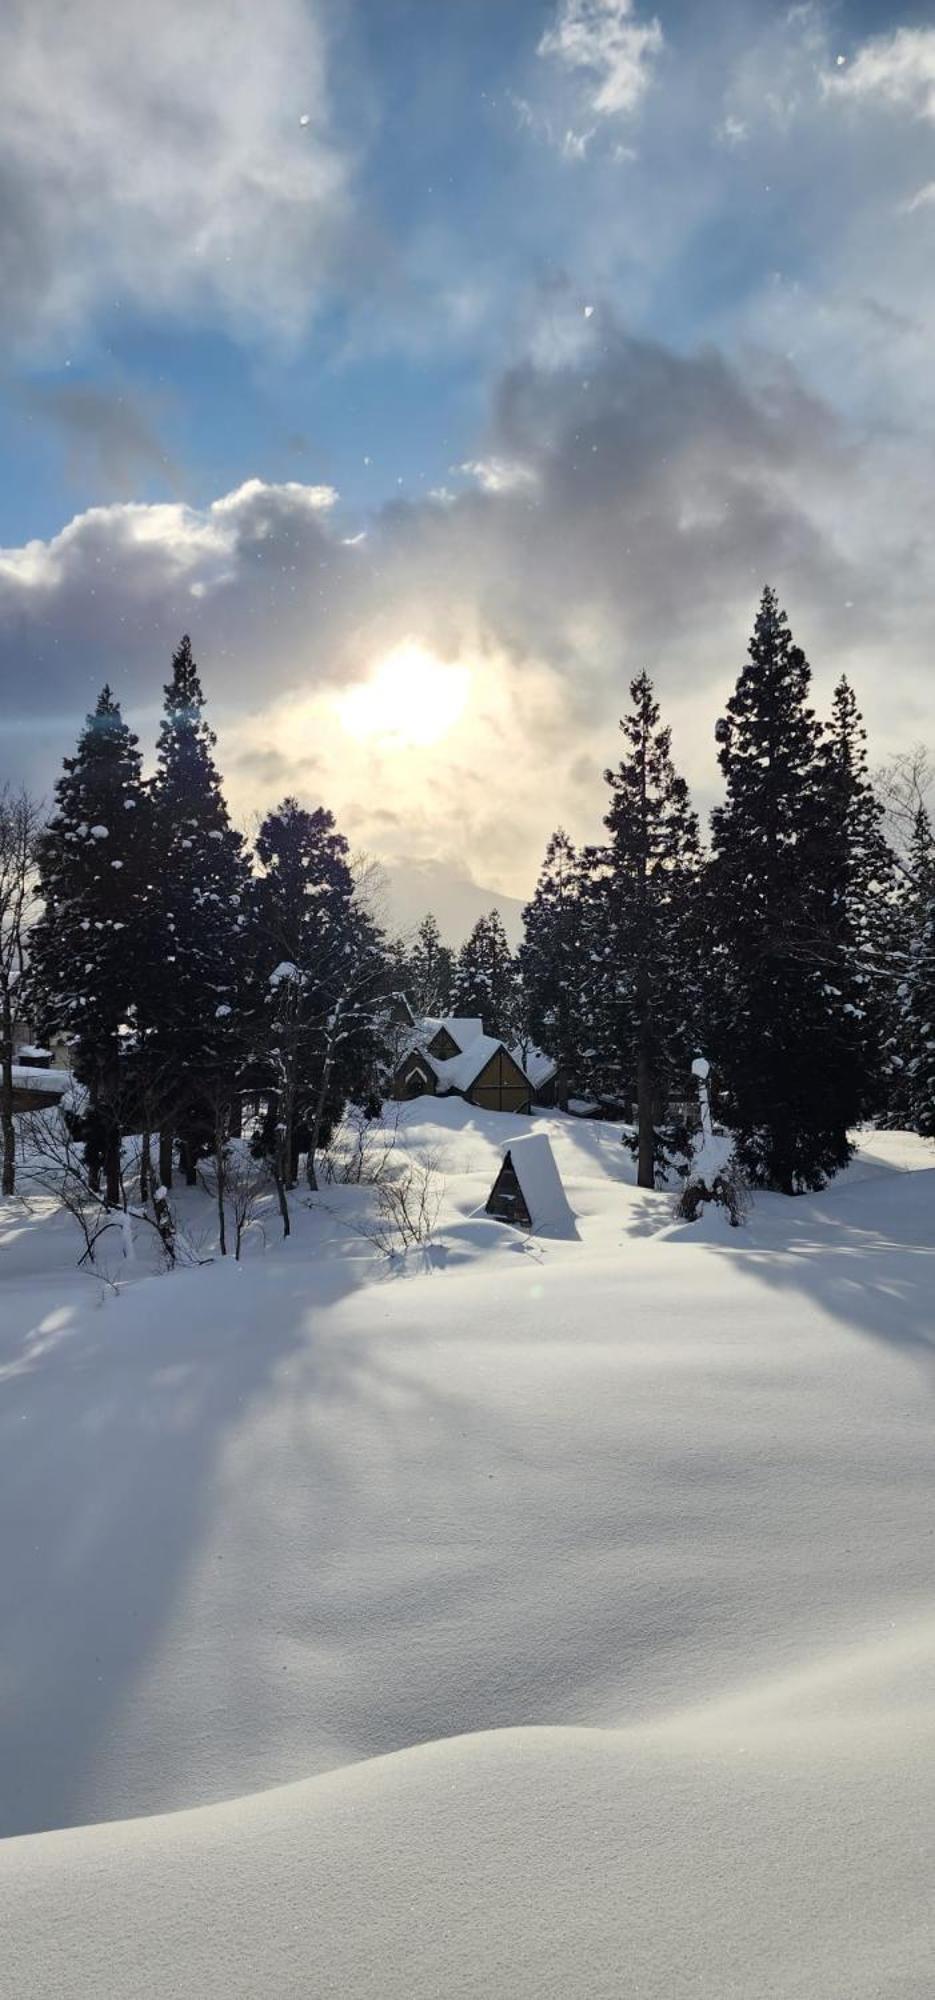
(528, 1190)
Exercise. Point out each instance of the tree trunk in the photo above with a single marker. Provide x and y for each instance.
(146, 1165)
(279, 1181)
(645, 1127)
(220, 1179)
(6, 1102)
(166, 1137)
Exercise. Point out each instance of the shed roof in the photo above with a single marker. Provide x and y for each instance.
(535, 1064)
(533, 1163)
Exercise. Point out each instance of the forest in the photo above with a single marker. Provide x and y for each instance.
(188, 971)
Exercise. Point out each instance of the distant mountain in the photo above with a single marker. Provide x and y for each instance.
(413, 887)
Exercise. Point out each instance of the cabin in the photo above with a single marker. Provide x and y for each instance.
(454, 1058)
(528, 1191)
(38, 1087)
(552, 1082)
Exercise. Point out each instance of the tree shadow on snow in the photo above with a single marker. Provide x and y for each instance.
(113, 1414)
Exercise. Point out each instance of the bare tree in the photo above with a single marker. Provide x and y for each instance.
(407, 1210)
(20, 821)
(55, 1163)
(903, 787)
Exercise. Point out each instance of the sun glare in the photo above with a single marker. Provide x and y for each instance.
(411, 697)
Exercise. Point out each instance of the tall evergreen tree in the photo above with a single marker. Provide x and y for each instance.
(919, 1002)
(642, 970)
(864, 918)
(784, 1044)
(319, 974)
(430, 970)
(551, 961)
(905, 1053)
(485, 978)
(194, 1002)
(88, 949)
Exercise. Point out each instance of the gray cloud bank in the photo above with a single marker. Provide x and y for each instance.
(623, 511)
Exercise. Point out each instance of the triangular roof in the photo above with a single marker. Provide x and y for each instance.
(459, 1072)
(533, 1163)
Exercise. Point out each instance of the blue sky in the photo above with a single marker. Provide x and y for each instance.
(417, 259)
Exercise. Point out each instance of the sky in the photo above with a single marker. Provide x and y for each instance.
(439, 365)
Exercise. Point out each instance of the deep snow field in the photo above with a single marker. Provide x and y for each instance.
(528, 1619)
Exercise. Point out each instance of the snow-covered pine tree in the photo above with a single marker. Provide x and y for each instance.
(194, 1011)
(642, 930)
(906, 1047)
(783, 1043)
(865, 918)
(320, 976)
(551, 961)
(430, 971)
(920, 1027)
(485, 978)
(88, 948)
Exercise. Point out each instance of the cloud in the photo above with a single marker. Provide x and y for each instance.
(153, 156)
(109, 436)
(614, 49)
(897, 69)
(651, 495)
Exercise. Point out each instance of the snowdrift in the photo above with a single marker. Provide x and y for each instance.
(585, 1588)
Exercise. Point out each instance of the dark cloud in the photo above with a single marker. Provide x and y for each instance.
(110, 437)
(626, 510)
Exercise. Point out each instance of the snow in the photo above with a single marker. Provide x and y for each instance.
(528, 1618)
(52, 1081)
(459, 1072)
(285, 970)
(535, 1064)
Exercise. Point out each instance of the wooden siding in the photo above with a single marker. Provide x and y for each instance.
(414, 1078)
(501, 1086)
(443, 1045)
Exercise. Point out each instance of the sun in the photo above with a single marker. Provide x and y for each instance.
(412, 697)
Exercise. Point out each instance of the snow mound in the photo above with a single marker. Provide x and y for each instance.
(712, 1858)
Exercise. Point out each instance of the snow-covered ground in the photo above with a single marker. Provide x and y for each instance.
(528, 1619)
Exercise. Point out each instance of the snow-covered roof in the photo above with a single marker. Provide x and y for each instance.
(53, 1081)
(459, 1072)
(533, 1163)
(29, 1050)
(465, 1029)
(535, 1064)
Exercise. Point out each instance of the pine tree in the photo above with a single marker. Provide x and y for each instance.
(485, 979)
(319, 970)
(920, 1024)
(784, 1045)
(194, 1013)
(550, 960)
(88, 948)
(865, 920)
(642, 975)
(905, 1053)
(430, 971)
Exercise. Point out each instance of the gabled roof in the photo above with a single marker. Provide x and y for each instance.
(533, 1163)
(459, 1072)
(463, 1029)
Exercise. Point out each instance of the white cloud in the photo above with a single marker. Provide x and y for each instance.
(499, 475)
(602, 38)
(898, 69)
(154, 156)
(923, 198)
